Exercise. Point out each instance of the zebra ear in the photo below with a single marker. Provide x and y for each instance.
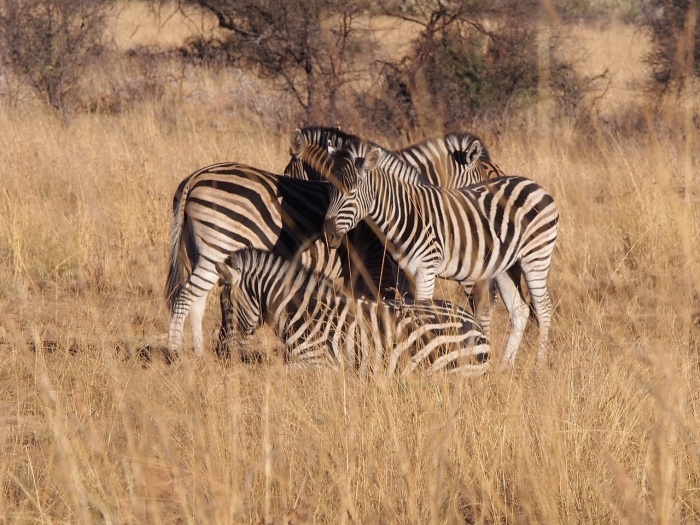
(332, 151)
(474, 152)
(371, 159)
(297, 142)
(226, 273)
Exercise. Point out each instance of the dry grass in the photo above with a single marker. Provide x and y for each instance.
(99, 428)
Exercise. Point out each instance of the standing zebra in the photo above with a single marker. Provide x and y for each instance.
(452, 161)
(226, 207)
(319, 323)
(498, 229)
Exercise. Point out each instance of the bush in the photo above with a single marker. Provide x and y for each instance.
(303, 46)
(473, 61)
(675, 32)
(50, 43)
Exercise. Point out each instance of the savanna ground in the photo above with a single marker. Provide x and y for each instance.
(98, 427)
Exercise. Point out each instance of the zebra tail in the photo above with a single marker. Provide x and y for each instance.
(183, 252)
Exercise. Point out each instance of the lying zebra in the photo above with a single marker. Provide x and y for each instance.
(319, 323)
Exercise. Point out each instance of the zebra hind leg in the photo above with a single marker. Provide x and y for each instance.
(197, 308)
(226, 330)
(176, 330)
(511, 292)
(542, 306)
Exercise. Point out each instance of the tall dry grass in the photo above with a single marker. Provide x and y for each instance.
(98, 427)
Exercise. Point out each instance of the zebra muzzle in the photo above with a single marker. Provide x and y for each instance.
(330, 231)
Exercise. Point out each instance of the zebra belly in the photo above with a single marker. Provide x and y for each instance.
(467, 270)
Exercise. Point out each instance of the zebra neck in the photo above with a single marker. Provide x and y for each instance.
(398, 209)
(316, 166)
(276, 296)
(394, 166)
(286, 295)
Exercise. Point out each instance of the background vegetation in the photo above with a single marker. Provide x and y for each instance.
(98, 427)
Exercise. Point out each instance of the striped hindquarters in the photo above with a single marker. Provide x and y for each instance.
(229, 206)
(517, 216)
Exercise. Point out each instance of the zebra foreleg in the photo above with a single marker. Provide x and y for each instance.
(225, 334)
(424, 283)
(482, 304)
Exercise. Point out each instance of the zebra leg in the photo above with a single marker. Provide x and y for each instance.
(518, 310)
(225, 335)
(177, 322)
(197, 308)
(482, 304)
(542, 306)
(425, 283)
(194, 304)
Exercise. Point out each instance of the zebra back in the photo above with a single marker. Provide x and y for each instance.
(320, 323)
(452, 161)
(229, 206)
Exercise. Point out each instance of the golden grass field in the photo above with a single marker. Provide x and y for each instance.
(98, 428)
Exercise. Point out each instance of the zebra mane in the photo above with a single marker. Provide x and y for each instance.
(389, 162)
(249, 259)
(322, 136)
(457, 144)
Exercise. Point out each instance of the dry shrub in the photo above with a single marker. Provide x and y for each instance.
(50, 43)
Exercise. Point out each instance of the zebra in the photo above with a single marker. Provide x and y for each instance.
(500, 229)
(228, 206)
(320, 323)
(452, 161)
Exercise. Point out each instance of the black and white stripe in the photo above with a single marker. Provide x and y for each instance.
(451, 161)
(320, 323)
(229, 206)
(495, 230)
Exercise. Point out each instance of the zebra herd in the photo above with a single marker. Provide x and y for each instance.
(381, 220)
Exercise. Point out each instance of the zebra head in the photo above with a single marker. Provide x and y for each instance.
(351, 192)
(472, 161)
(308, 148)
(245, 305)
